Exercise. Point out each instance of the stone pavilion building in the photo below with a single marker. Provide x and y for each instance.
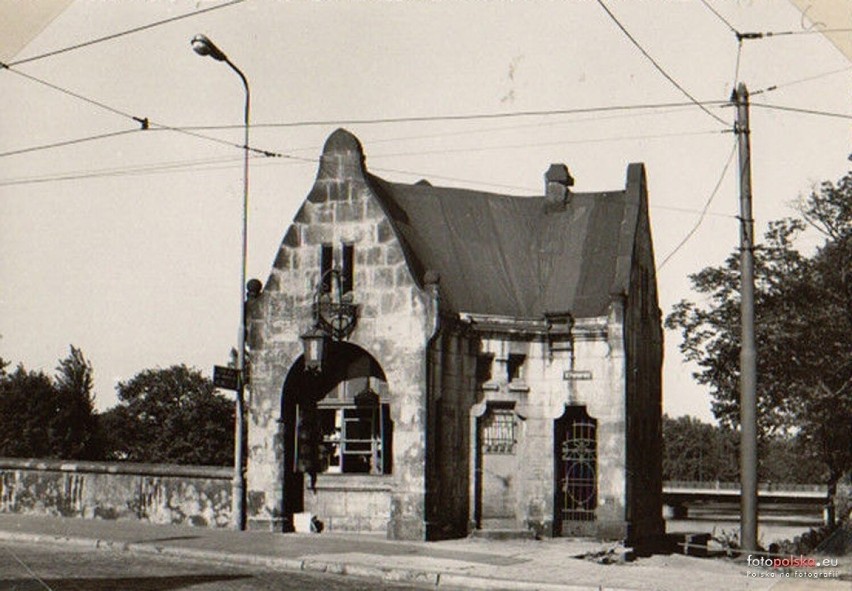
(432, 362)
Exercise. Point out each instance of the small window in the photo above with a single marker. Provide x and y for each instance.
(484, 363)
(514, 367)
(498, 431)
(326, 261)
(346, 279)
(353, 439)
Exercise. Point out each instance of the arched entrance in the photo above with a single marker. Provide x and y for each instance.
(336, 422)
(576, 472)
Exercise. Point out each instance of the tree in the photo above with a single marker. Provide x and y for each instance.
(76, 431)
(44, 418)
(170, 415)
(697, 451)
(27, 406)
(803, 328)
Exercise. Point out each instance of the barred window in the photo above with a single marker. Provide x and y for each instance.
(498, 431)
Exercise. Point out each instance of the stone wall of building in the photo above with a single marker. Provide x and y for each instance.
(539, 395)
(452, 388)
(350, 502)
(156, 493)
(396, 319)
(644, 382)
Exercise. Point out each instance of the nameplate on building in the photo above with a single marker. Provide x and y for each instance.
(227, 378)
(577, 374)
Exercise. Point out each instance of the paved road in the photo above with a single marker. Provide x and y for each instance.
(26, 567)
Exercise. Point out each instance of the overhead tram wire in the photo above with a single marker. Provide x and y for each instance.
(720, 17)
(659, 67)
(62, 144)
(555, 143)
(331, 122)
(549, 124)
(464, 117)
(802, 110)
(774, 87)
(736, 33)
(144, 121)
(191, 130)
(141, 169)
(165, 166)
(221, 163)
(704, 209)
(766, 34)
(751, 36)
(71, 93)
(737, 66)
(123, 33)
(769, 34)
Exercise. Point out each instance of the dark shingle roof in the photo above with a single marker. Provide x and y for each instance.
(503, 255)
(509, 256)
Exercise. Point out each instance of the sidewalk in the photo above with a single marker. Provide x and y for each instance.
(468, 563)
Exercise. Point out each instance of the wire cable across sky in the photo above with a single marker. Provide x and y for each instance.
(659, 67)
(703, 214)
(123, 33)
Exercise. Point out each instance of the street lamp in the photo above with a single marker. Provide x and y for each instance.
(204, 46)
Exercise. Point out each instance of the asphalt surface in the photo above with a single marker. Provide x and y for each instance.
(48, 567)
(83, 555)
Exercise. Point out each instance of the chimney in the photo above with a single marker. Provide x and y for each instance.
(557, 184)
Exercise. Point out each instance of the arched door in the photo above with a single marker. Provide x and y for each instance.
(575, 471)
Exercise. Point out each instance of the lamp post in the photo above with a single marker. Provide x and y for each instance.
(203, 46)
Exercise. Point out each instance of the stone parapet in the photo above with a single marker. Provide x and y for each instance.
(155, 493)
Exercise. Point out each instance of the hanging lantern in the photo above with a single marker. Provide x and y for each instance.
(313, 343)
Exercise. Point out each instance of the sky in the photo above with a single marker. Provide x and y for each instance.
(128, 246)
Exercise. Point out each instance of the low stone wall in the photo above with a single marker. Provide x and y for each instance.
(157, 493)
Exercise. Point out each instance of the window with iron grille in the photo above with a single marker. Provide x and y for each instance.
(498, 431)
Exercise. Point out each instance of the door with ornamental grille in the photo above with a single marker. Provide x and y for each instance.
(575, 471)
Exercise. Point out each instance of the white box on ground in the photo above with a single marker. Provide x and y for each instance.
(303, 523)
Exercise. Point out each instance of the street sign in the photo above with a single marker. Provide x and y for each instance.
(577, 374)
(227, 378)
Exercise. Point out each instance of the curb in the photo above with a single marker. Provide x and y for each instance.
(376, 573)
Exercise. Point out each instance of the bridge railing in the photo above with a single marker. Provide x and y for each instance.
(763, 486)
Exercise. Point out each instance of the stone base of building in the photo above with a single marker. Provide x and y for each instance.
(541, 529)
(612, 530)
(407, 529)
(275, 524)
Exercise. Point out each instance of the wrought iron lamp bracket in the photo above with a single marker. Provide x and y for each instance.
(336, 316)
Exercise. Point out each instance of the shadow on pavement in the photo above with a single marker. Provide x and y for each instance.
(167, 583)
(168, 539)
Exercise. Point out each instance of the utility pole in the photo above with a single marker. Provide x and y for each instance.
(748, 356)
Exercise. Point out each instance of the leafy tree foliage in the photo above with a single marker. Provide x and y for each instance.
(803, 325)
(170, 415)
(27, 407)
(45, 418)
(697, 451)
(77, 434)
